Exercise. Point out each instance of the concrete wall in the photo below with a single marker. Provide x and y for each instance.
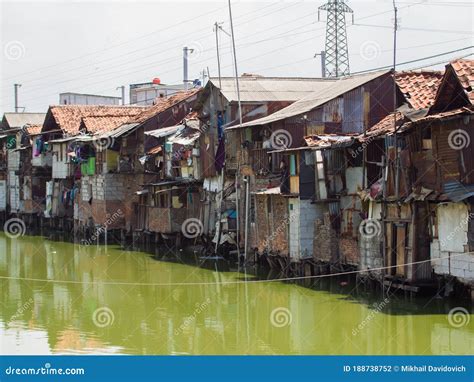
(3, 195)
(308, 214)
(371, 255)
(13, 160)
(294, 228)
(60, 162)
(87, 99)
(450, 252)
(43, 160)
(13, 182)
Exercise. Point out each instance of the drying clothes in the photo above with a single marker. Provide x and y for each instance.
(220, 155)
(38, 147)
(220, 124)
(142, 160)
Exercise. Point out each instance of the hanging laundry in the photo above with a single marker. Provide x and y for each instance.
(220, 155)
(220, 124)
(143, 159)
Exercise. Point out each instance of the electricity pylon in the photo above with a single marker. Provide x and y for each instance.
(337, 55)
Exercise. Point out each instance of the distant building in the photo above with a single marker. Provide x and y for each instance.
(18, 120)
(146, 93)
(87, 99)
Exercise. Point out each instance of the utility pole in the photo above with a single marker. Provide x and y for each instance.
(397, 159)
(186, 52)
(337, 54)
(123, 93)
(323, 62)
(16, 87)
(216, 28)
(240, 124)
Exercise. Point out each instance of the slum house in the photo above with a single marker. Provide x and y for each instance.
(108, 196)
(33, 173)
(303, 187)
(165, 205)
(11, 129)
(62, 127)
(435, 186)
(218, 107)
(416, 92)
(424, 202)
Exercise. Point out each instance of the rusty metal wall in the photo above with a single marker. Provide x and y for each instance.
(353, 121)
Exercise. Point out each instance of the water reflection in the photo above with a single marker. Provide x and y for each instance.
(38, 317)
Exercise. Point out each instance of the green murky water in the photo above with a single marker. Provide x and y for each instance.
(98, 311)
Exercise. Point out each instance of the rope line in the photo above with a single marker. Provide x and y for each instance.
(228, 282)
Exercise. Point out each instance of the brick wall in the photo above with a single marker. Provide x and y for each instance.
(325, 245)
(349, 250)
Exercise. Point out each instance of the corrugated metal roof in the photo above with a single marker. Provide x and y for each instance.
(154, 150)
(119, 131)
(457, 192)
(269, 191)
(329, 140)
(440, 116)
(62, 140)
(18, 120)
(328, 91)
(164, 131)
(263, 89)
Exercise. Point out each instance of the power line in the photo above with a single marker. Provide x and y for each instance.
(150, 64)
(416, 60)
(177, 57)
(147, 48)
(284, 34)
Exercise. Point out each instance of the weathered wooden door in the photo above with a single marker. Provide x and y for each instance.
(397, 249)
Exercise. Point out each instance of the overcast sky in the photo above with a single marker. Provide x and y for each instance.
(95, 46)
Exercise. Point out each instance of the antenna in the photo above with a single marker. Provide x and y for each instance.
(337, 55)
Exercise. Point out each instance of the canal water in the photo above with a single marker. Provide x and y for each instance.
(63, 298)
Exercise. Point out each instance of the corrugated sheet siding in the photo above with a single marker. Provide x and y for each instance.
(353, 121)
(447, 157)
(334, 110)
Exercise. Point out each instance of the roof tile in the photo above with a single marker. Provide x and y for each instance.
(419, 87)
(69, 117)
